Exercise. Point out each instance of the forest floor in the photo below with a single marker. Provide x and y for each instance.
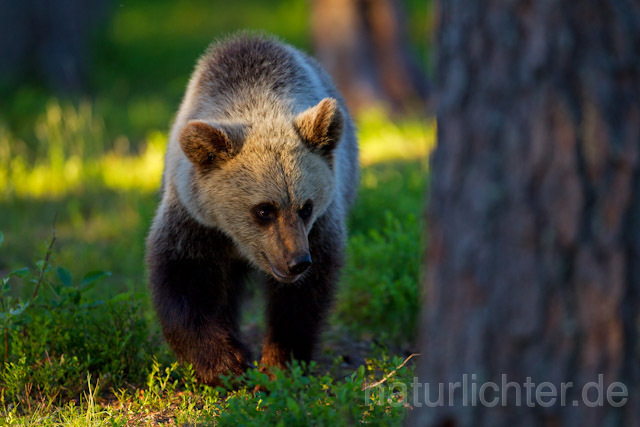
(87, 350)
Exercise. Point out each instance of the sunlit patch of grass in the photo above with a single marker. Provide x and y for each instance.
(70, 153)
(141, 172)
(42, 179)
(70, 156)
(66, 137)
(113, 171)
(382, 140)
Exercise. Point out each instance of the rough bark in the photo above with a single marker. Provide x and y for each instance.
(533, 266)
(363, 45)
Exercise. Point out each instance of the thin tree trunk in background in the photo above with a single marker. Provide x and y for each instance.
(363, 45)
(533, 266)
(48, 40)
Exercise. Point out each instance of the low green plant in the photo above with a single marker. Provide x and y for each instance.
(56, 337)
(63, 349)
(380, 293)
(299, 396)
(294, 398)
(77, 350)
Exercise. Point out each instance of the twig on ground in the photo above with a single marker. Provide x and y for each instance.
(386, 377)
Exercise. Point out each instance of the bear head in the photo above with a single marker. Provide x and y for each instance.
(265, 183)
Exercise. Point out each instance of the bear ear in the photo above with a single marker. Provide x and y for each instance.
(320, 127)
(204, 145)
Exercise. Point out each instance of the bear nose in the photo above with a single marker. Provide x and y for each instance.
(300, 264)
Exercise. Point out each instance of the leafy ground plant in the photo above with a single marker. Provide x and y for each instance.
(70, 359)
(84, 349)
(57, 336)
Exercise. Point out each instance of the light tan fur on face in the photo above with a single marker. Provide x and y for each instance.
(271, 129)
(274, 166)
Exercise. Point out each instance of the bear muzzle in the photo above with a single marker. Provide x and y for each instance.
(300, 264)
(295, 267)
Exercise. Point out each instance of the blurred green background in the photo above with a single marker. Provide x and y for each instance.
(143, 51)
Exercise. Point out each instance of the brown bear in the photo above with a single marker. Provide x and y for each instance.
(260, 170)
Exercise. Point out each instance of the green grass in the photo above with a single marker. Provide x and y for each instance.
(86, 350)
(80, 352)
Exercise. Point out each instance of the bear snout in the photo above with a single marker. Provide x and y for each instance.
(289, 271)
(299, 264)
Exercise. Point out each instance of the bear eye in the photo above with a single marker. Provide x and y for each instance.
(305, 211)
(265, 212)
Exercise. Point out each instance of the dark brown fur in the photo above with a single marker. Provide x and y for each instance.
(197, 286)
(196, 289)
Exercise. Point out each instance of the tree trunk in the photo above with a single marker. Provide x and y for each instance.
(363, 45)
(533, 266)
(48, 40)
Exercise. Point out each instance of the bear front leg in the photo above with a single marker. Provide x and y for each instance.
(296, 312)
(197, 305)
